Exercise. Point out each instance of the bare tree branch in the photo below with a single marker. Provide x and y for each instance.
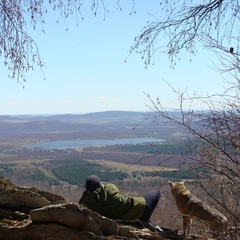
(18, 49)
(182, 26)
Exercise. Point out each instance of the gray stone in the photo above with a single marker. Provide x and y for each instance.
(45, 216)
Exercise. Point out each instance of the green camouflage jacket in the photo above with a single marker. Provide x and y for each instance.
(108, 202)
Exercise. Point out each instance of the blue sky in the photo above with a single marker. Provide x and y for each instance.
(86, 69)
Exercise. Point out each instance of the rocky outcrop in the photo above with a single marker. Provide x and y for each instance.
(31, 214)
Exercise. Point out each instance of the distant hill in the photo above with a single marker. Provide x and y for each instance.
(94, 117)
(98, 117)
(109, 124)
(76, 125)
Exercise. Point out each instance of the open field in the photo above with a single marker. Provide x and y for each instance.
(131, 167)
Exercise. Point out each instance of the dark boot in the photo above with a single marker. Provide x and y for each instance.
(166, 232)
(148, 224)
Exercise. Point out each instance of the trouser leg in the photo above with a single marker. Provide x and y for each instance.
(152, 199)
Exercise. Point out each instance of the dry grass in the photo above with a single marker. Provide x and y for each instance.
(126, 167)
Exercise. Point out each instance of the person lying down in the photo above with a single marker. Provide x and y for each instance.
(107, 200)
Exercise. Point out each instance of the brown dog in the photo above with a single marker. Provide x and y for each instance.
(191, 207)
